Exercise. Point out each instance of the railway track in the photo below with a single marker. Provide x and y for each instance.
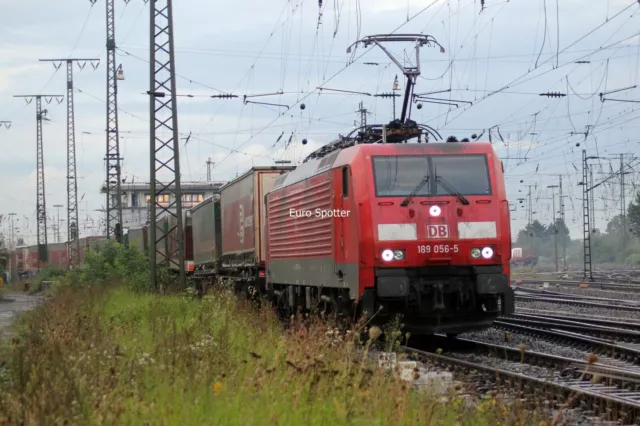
(600, 320)
(559, 294)
(617, 399)
(584, 327)
(633, 286)
(548, 331)
(576, 301)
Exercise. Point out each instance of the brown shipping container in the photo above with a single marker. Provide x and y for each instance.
(243, 213)
(207, 238)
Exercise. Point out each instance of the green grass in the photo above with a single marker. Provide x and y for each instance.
(95, 355)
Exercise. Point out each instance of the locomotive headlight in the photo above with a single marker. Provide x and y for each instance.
(476, 253)
(435, 211)
(398, 255)
(487, 252)
(387, 255)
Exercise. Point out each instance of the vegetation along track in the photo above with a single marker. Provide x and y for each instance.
(574, 386)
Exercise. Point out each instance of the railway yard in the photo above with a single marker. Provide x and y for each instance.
(461, 249)
(571, 343)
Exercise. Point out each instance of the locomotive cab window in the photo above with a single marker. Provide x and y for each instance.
(345, 182)
(431, 175)
(397, 176)
(468, 174)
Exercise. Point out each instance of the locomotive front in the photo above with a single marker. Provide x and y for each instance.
(441, 236)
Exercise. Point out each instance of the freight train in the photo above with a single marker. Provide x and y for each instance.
(24, 260)
(524, 257)
(369, 223)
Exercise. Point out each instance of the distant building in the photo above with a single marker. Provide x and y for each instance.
(136, 197)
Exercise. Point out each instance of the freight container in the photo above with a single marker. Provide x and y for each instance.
(58, 254)
(32, 263)
(524, 257)
(169, 224)
(207, 236)
(137, 239)
(243, 216)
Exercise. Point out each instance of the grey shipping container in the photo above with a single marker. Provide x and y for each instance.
(207, 237)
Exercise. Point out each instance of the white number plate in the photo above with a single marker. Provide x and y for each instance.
(438, 248)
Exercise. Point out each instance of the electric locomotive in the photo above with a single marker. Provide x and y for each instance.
(420, 230)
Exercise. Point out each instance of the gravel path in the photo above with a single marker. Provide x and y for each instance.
(11, 305)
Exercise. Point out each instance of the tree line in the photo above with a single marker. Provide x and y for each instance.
(616, 244)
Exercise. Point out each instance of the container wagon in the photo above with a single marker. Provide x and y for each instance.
(243, 219)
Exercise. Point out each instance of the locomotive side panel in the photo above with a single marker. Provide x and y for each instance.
(300, 241)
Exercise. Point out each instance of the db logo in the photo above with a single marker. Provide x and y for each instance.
(437, 231)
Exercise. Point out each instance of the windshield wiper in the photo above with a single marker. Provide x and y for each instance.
(413, 193)
(451, 189)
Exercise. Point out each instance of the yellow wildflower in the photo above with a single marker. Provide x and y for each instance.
(217, 388)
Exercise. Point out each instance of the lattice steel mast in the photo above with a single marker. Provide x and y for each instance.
(41, 208)
(165, 146)
(586, 223)
(209, 167)
(114, 198)
(72, 183)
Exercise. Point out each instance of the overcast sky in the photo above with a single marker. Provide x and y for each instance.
(497, 59)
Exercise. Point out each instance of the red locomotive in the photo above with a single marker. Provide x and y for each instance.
(421, 230)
